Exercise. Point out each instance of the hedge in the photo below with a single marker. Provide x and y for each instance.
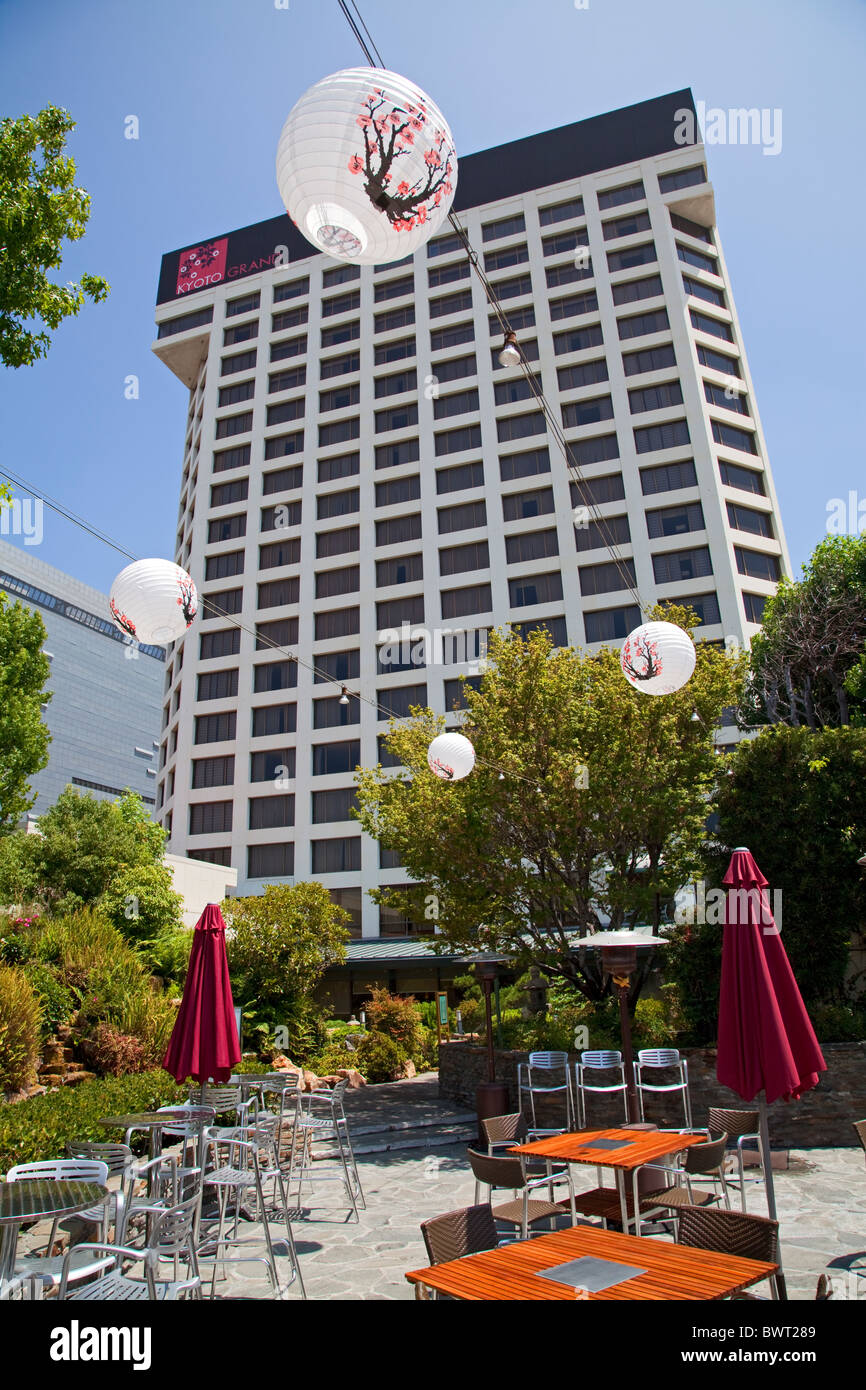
(42, 1127)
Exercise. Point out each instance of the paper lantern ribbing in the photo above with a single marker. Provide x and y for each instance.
(658, 658)
(366, 166)
(153, 601)
(451, 757)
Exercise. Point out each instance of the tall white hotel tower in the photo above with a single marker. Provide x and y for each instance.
(356, 459)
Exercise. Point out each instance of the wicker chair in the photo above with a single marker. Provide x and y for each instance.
(498, 1171)
(742, 1126)
(457, 1233)
(731, 1233)
(700, 1161)
(502, 1131)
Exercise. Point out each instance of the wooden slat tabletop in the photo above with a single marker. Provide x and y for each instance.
(673, 1272)
(638, 1147)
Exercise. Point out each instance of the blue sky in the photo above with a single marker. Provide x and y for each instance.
(211, 82)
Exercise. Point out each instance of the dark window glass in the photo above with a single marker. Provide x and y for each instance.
(291, 378)
(275, 675)
(287, 552)
(632, 290)
(395, 702)
(340, 333)
(463, 517)
(398, 417)
(197, 319)
(398, 490)
(240, 333)
(682, 178)
(458, 603)
(392, 455)
(520, 426)
(284, 444)
(339, 542)
(399, 529)
(402, 569)
(705, 605)
(719, 361)
(518, 318)
(519, 505)
(454, 368)
(217, 685)
(279, 592)
(746, 479)
(502, 260)
(667, 477)
(577, 339)
(339, 431)
(611, 624)
(606, 578)
(340, 275)
(282, 632)
(706, 324)
(441, 338)
(754, 605)
(747, 519)
(675, 521)
(333, 805)
(273, 764)
(640, 324)
(392, 612)
(393, 289)
(244, 305)
(331, 504)
(394, 318)
(458, 403)
(625, 226)
(224, 566)
(649, 359)
(291, 289)
(227, 528)
(233, 395)
(210, 817)
(341, 304)
(339, 397)
(215, 728)
(587, 412)
(340, 366)
(645, 254)
(455, 441)
(666, 436)
(329, 713)
(699, 290)
(464, 475)
(655, 397)
(444, 245)
(271, 812)
(336, 856)
(270, 861)
(238, 362)
(524, 465)
(565, 241)
(594, 491)
(461, 558)
(574, 305)
(341, 622)
(343, 756)
(230, 425)
(337, 666)
(613, 530)
(455, 691)
(283, 515)
(560, 212)
(503, 226)
(756, 565)
(213, 772)
(626, 193)
(285, 411)
(449, 304)
(289, 318)
(725, 399)
(396, 384)
(555, 627)
(537, 588)
(530, 545)
(283, 479)
(598, 449)
(289, 347)
(333, 583)
(676, 565)
(682, 224)
(582, 374)
(339, 466)
(734, 438)
(235, 491)
(447, 274)
(515, 389)
(697, 259)
(274, 719)
(395, 351)
(221, 603)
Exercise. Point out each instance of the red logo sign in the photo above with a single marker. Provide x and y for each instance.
(202, 265)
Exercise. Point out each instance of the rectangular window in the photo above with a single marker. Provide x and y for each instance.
(224, 566)
(699, 290)
(275, 675)
(561, 242)
(289, 318)
(337, 856)
(587, 412)
(341, 304)
(340, 275)
(734, 438)
(398, 530)
(611, 624)
(330, 713)
(274, 719)
(272, 764)
(282, 632)
(756, 565)
(555, 627)
(183, 322)
(224, 493)
(280, 517)
(337, 666)
(396, 351)
(447, 274)
(339, 366)
(458, 603)
(398, 417)
(279, 592)
(395, 490)
(396, 384)
(395, 702)
(210, 817)
(625, 193)
(682, 178)
(221, 603)
(339, 432)
(659, 397)
(503, 260)
(444, 245)
(339, 397)
(333, 583)
(594, 491)
(402, 569)
(334, 805)
(339, 542)
(667, 436)
(331, 504)
(233, 395)
(614, 530)
(667, 477)
(626, 226)
(567, 274)
(288, 380)
(675, 521)
(330, 758)
(454, 336)
(449, 304)
(697, 259)
(455, 692)
(291, 289)
(457, 479)
(289, 347)
(456, 441)
(754, 605)
(515, 389)
(596, 450)
(578, 339)
(213, 772)
(645, 254)
(726, 399)
(285, 411)
(649, 359)
(217, 685)
(582, 374)
(392, 455)
(238, 362)
(746, 479)
(606, 578)
(215, 728)
(574, 305)
(339, 466)
(459, 559)
(639, 325)
(747, 519)
(271, 812)
(458, 403)
(283, 480)
(240, 333)
(530, 545)
(392, 612)
(340, 333)
(452, 369)
(270, 861)
(464, 517)
(244, 305)
(393, 289)
(704, 323)
(341, 622)
(525, 465)
(281, 445)
(520, 426)
(705, 605)
(682, 224)
(518, 318)
(677, 565)
(630, 291)
(230, 425)
(394, 318)
(719, 361)
(560, 212)
(287, 552)
(227, 528)
(503, 226)
(517, 506)
(537, 588)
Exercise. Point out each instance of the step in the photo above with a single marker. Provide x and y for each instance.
(403, 1126)
(443, 1136)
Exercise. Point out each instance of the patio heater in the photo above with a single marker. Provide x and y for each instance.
(491, 1096)
(619, 960)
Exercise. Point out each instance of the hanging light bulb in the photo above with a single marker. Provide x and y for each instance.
(153, 601)
(510, 354)
(344, 697)
(696, 718)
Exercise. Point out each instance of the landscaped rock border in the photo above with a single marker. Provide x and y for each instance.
(822, 1119)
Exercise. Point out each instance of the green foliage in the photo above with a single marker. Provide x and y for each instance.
(20, 1028)
(112, 1053)
(141, 901)
(40, 208)
(24, 737)
(397, 1017)
(55, 1000)
(380, 1058)
(42, 1127)
(515, 862)
(168, 954)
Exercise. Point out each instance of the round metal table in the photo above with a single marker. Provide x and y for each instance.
(159, 1120)
(33, 1199)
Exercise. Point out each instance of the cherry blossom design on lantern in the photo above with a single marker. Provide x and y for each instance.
(340, 239)
(388, 135)
(123, 622)
(199, 258)
(640, 658)
(442, 770)
(187, 600)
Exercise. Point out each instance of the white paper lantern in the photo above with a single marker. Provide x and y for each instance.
(451, 757)
(366, 166)
(154, 601)
(658, 658)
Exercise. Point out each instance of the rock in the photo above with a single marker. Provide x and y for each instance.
(74, 1078)
(54, 1053)
(311, 1081)
(408, 1071)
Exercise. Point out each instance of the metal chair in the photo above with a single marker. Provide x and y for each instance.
(117, 1158)
(731, 1233)
(48, 1267)
(701, 1161)
(536, 1078)
(331, 1128)
(599, 1061)
(172, 1238)
(498, 1171)
(663, 1059)
(21, 1288)
(744, 1127)
(243, 1163)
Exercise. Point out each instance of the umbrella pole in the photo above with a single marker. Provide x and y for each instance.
(767, 1165)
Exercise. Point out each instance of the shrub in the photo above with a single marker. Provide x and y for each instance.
(112, 1053)
(20, 1023)
(41, 1128)
(397, 1017)
(839, 1022)
(56, 1001)
(141, 902)
(380, 1058)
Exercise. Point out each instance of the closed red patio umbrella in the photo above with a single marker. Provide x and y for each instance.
(204, 1043)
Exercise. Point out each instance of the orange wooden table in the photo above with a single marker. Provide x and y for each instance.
(673, 1272)
(632, 1148)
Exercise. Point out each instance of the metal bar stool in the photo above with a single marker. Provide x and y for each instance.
(664, 1059)
(336, 1163)
(539, 1077)
(599, 1061)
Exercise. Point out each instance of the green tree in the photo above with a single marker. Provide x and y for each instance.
(520, 853)
(40, 208)
(808, 664)
(141, 902)
(24, 737)
(279, 946)
(83, 844)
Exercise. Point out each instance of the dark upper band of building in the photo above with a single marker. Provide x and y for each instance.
(568, 152)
